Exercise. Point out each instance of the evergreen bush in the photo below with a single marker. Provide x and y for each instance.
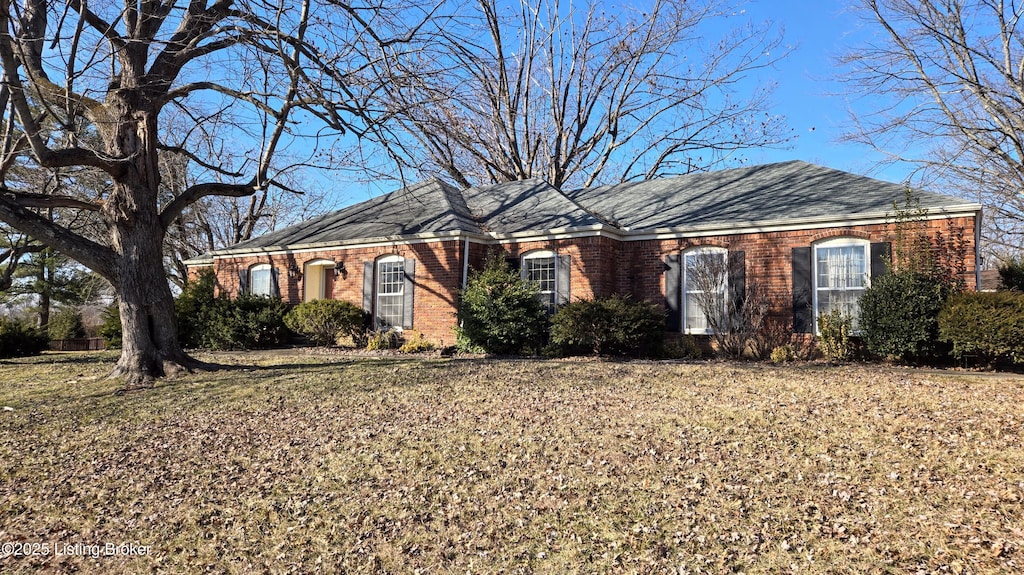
(500, 312)
(66, 324)
(206, 321)
(1011, 274)
(324, 321)
(110, 326)
(899, 316)
(988, 325)
(614, 325)
(18, 339)
(247, 322)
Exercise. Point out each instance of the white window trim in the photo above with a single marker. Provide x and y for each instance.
(542, 254)
(840, 242)
(376, 289)
(270, 280)
(683, 283)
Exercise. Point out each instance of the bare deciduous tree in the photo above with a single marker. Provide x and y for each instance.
(242, 72)
(735, 311)
(948, 75)
(580, 93)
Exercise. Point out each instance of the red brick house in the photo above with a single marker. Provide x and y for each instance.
(811, 236)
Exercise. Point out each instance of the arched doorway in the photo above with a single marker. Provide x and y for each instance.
(319, 280)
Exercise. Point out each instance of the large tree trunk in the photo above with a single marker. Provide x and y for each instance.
(150, 347)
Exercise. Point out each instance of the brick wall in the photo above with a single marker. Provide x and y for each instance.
(600, 266)
(437, 279)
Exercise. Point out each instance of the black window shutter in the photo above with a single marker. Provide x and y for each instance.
(881, 254)
(803, 304)
(513, 263)
(275, 288)
(562, 281)
(673, 294)
(243, 282)
(738, 278)
(368, 287)
(409, 284)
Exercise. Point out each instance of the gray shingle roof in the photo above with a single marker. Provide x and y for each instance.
(787, 191)
(529, 205)
(428, 207)
(773, 192)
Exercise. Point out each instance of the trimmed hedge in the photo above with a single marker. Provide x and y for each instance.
(18, 339)
(610, 326)
(899, 316)
(987, 324)
(247, 322)
(323, 321)
(220, 323)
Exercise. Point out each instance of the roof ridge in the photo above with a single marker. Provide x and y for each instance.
(596, 215)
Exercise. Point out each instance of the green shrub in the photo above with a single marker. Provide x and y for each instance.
(384, 339)
(989, 325)
(18, 339)
(247, 322)
(615, 326)
(206, 321)
(197, 311)
(416, 343)
(110, 326)
(66, 324)
(323, 321)
(1011, 274)
(899, 316)
(499, 311)
(783, 354)
(834, 330)
(463, 344)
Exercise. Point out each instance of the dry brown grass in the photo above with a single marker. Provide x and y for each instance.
(306, 464)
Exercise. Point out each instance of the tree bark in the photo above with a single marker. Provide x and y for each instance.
(149, 344)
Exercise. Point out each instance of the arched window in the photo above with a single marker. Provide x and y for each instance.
(261, 280)
(841, 274)
(390, 290)
(705, 279)
(541, 267)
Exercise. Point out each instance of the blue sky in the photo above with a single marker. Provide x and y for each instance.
(808, 93)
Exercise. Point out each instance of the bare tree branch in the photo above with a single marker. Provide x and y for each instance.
(946, 79)
(578, 94)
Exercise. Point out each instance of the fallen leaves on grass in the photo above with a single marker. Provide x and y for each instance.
(391, 465)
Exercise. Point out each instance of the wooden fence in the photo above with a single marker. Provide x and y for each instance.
(78, 344)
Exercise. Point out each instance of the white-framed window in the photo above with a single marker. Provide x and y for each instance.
(705, 279)
(841, 274)
(390, 289)
(541, 267)
(261, 278)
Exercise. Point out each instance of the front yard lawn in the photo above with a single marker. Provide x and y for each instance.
(329, 464)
